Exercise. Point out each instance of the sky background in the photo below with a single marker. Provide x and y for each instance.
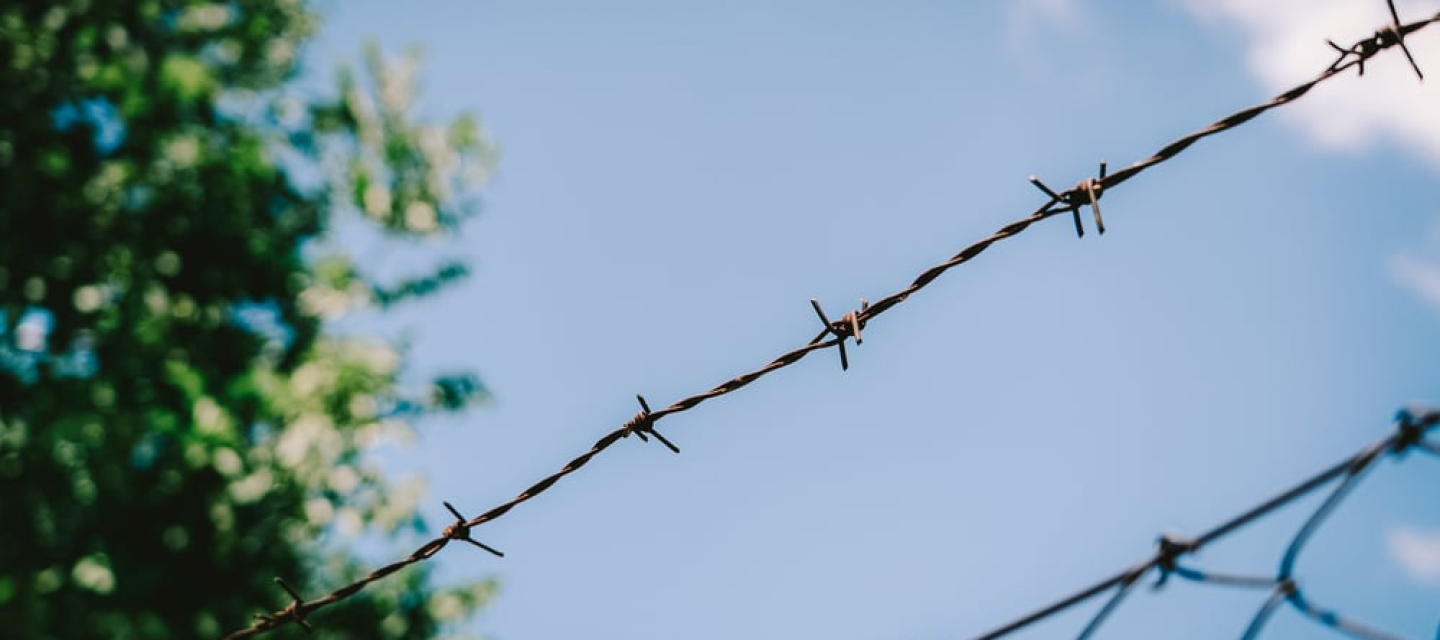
(678, 179)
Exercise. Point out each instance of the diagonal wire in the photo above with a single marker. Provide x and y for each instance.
(1295, 596)
(1353, 474)
(1257, 624)
(1112, 603)
(642, 424)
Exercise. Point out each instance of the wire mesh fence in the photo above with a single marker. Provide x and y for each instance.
(1411, 427)
(834, 333)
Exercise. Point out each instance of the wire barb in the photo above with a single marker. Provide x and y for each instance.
(1086, 192)
(293, 612)
(1392, 35)
(460, 530)
(644, 422)
(848, 326)
(1398, 31)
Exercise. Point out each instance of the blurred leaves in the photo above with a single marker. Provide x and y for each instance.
(409, 177)
(179, 420)
(419, 286)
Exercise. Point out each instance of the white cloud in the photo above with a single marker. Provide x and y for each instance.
(1026, 12)
(1417, 552)
(1285, 45)
(1041, 36)
(1420, 272)
(1420, 276)
(1032, 21)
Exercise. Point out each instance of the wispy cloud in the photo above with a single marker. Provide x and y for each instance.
(1031, 21)
(1419, 272)
(1420, 276)
(1029, 12)
(1285, 44)
(1040, 36)
(1417, 552)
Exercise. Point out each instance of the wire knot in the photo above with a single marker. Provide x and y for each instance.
(459, 530)
(1172, 546)
(1408, 431)
(1412, 424)
(643, 422)
(1086, 193)
(1287, 587)
(1365, 49)
(293, 612)
(848, 326)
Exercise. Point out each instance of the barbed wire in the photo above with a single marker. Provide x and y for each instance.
(1411, 426)
(1086, 193)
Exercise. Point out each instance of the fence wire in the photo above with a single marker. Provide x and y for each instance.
(834, 333)
(1411, 427)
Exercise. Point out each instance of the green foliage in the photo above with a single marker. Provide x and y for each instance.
(178, 421)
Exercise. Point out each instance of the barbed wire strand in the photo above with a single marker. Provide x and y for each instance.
(1411, 426)
(834, 334)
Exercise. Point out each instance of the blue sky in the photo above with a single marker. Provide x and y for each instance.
(679, 179)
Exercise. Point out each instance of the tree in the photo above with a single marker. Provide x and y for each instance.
(180, 418)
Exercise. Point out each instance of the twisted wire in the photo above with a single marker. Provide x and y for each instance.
(834, 334)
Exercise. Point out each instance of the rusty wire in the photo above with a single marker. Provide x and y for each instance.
(834, 334)
(1411, 426)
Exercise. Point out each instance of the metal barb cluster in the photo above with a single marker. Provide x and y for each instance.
(1087, 193)
(1411, 426)
(1392, 35)
(459, 530)
(293, 612)
(848, 326)
(643, 423)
